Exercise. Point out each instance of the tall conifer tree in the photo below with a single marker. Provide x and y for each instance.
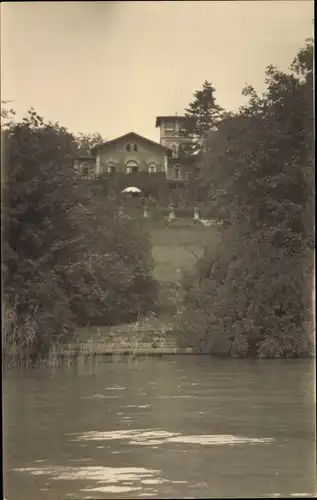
(202, 115)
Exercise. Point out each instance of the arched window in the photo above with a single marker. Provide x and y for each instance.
(152, 168)
(135, 147)
(132, 167)
(178, 171)
(85, 170)
(128, 147)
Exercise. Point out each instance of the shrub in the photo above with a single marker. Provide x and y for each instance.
(253, 296)
(111, 279)
(249, 299)
(67, 257)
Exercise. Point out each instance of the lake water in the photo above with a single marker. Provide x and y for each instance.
(176, 427)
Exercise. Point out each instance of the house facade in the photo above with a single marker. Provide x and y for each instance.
(132, 153)
(172, 128)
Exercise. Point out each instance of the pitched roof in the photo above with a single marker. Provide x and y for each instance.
(125, 136)
(168, 117)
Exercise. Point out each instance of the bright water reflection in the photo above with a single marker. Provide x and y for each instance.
(174, 427)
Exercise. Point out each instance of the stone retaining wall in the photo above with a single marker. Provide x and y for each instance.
(149, 337)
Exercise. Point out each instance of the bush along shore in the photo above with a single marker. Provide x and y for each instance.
(253, 297)
(71, 264)
(68, 259)
(147, 337)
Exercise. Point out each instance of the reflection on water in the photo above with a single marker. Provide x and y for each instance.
(150, 437)
(179, 427)
(126, 477)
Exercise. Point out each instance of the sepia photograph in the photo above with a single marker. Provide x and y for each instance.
(158, 249)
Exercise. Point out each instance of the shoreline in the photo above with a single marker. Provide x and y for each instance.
(149, 337)
(143, 351)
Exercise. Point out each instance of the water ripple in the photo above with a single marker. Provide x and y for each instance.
(107, 478)
(149, 437)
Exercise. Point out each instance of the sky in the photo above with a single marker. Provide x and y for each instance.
(112, 67)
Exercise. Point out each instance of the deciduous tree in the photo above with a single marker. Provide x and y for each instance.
(66, 257)
(256, 292)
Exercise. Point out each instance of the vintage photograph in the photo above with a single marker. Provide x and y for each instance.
(158, 249)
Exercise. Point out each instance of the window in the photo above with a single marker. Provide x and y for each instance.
(131, 147)
(174, 149)
(132, 167)
(152, 168)
(170, 127)
(85, 170)
(178, 172)
(111, 169)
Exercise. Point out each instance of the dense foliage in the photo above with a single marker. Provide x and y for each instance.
(86, 142)
(67, 258)
(254, 297)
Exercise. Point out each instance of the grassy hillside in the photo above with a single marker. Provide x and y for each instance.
(176, 247)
